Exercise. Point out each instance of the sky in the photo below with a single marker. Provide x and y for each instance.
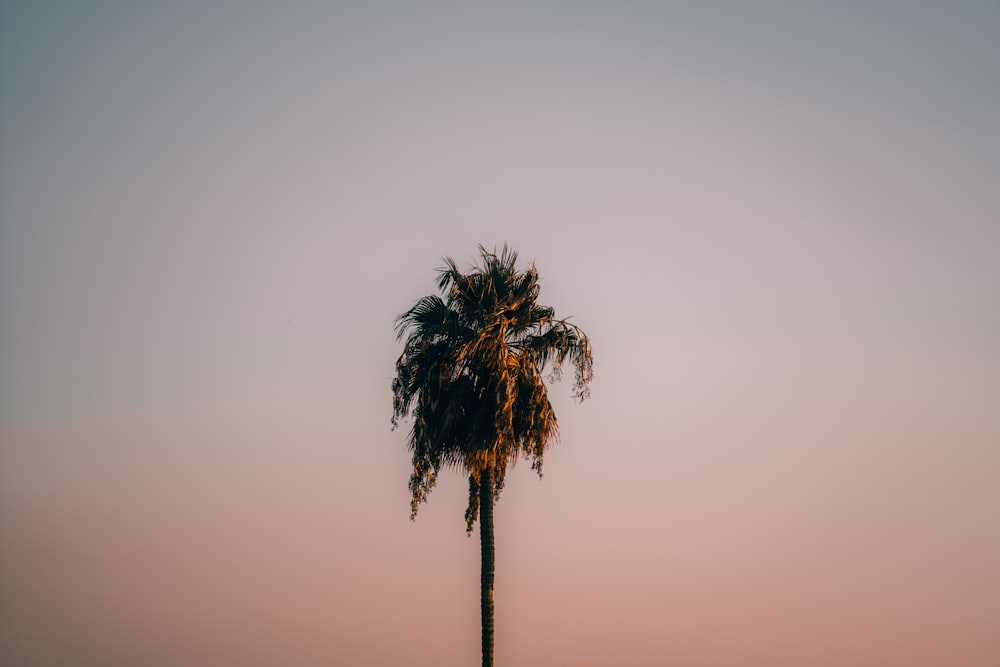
(778, 222)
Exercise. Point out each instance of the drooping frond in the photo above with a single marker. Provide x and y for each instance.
(558, 342)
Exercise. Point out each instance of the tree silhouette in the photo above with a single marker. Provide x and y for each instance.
(470, 376)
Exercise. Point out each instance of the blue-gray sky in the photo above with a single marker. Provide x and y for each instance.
(778, 221)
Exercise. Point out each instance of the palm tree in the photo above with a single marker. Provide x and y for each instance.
(470, 376)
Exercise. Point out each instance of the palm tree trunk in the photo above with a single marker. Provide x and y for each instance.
(488, 560)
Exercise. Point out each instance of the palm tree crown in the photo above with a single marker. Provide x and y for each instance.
(470, 375)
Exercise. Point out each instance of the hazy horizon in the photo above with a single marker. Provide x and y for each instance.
(778, 222)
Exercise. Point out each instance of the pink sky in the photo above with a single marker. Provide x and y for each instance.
(778, 226)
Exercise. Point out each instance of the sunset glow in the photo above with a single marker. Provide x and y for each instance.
(777, 223)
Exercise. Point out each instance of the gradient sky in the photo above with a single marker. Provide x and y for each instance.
(778, 221)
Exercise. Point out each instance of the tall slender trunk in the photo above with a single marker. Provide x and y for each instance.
(488, 560)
